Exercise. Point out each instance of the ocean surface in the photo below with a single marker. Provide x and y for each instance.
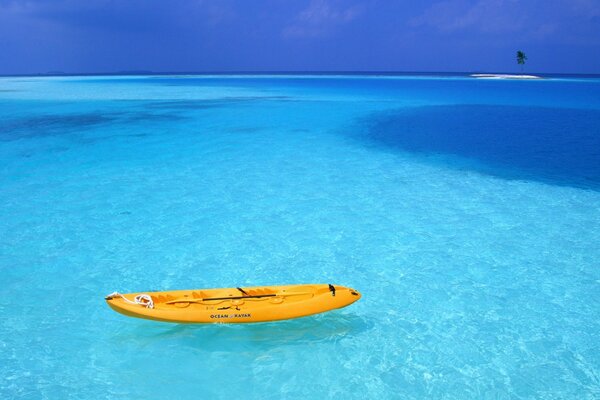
(466, 211)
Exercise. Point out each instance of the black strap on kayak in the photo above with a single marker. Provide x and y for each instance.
(332, 289)
(243, 291)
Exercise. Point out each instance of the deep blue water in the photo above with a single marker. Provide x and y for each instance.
(554, 145)
(466, 211)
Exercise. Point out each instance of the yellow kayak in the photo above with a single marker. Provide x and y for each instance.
(233, 305)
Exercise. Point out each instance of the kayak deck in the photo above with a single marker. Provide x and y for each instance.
(234, 305)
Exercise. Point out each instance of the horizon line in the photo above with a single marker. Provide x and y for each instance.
(290, 72)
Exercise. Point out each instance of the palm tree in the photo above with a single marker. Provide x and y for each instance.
(521, 58)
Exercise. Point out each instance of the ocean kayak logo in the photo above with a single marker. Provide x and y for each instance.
(222, 316)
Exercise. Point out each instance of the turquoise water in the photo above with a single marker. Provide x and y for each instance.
(467, 212)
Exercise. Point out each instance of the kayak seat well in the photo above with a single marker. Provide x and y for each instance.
(162, 298)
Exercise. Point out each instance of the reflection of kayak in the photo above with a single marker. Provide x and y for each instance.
(233, 305)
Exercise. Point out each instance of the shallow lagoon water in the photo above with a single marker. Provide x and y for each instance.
(467, 212)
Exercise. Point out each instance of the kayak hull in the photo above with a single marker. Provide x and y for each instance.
(236, 305)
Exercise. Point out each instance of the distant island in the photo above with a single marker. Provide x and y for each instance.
(504, 76)
(521, 58)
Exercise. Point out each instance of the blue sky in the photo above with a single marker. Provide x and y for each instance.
(84, 36)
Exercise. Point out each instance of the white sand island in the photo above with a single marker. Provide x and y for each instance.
(504, 76)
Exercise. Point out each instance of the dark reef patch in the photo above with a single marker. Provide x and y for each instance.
(209, 104)
(180, 105)
(50, 124)
(58, 124)
(553, 145)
